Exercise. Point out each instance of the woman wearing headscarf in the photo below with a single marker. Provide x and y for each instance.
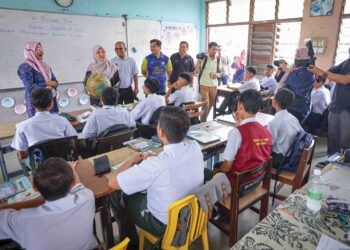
(103, 66)
(35, 73)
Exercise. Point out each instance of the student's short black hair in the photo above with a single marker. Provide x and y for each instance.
(252, 70)
(251, 100)
(110, 96)
(53, 178)
(122, 43)
(41, 98)
(157, 41)
(175, 122)
(213, 44)
(320, 79)
(152, 84)
(184, 42)
(269, 66)
(284, 97)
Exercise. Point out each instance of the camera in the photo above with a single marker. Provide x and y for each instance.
(305, 63)
(201, 56)
(278, 62)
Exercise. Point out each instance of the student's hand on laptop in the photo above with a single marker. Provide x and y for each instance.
(73, 164)
(147, 154)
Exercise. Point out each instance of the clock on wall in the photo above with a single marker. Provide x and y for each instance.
(64, 3)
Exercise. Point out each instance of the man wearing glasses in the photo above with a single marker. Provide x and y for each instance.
(127, 72)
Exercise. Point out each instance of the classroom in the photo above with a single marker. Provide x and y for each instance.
(188, 124)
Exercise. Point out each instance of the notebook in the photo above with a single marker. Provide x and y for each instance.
(84, 116)
(202, 136)
(142, 144)
(12, 188)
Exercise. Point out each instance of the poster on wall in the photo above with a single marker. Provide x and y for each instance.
(173, 33)
(321, 7)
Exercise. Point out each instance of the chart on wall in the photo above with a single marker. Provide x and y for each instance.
(67, 41)
(173, 33)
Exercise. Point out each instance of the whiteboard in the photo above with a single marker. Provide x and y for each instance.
(140, 32)
(67, 42)
(173, 33)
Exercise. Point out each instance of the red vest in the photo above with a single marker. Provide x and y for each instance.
(255, 149)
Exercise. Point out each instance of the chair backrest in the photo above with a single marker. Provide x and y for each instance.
(194, 109)
(122, 245)
(182, 219)
(146, 131)
(304, 166)
(111, 142)
(155, 116)
(66, 148)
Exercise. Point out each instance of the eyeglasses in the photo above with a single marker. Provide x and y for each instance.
(118, 49)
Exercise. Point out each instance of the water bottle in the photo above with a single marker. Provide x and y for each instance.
(315, 192)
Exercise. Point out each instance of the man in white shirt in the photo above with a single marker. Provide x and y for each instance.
(269, 82)
(167, 177)
(128, 72)
(109, 115)
(184, 93)
(320, 100)
(250, 83)
(284, 127)
(43, 126)
(145, 108)
(64, 221)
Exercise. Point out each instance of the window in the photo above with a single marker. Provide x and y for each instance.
(217, 12)
(227, 37)
(239, 11)
(287, 9)
(264, 10)
(343, 42)
(287, 40)
(347, 7)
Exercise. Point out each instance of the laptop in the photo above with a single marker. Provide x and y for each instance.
(202, 136)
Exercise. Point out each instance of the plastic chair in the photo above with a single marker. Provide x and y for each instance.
(202, 229)
(66, 148)
(174, 225)
(122, 245)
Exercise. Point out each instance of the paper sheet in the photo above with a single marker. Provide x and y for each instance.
(327, 243)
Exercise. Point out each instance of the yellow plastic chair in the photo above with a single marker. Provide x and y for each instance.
(122, 245)
(202, 228)
(173, 212)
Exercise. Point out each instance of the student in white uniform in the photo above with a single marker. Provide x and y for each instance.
(145, 108)
(183, 93)
(108, 115)
(64, 221)
(284, 127)
(250, 83)
(43, 126)
(320, 99)
(167, 177)
(269, 82)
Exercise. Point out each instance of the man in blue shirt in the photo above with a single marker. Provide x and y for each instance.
(157, 65)
(300, 81)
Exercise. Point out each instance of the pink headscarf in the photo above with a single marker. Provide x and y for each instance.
(102, 66)
(38, 65)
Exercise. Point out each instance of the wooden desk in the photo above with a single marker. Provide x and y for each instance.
(293, 226)
(225, 92)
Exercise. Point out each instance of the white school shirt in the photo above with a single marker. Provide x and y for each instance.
(101, 119)
(185, 94)
(127, 68)
(234, 141)
(270, 83)
(320, 99)
(66, 223)
(283, 128)
(42, 126)
(251, 84)
(145, 108)
(168, 177)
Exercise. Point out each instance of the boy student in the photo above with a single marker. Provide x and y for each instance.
(64, 221)
(167, 177)
(249, 144)
(42, 126)
(157, 65)
(320, 99)
(269, 82)
(151, 103)
(284, 127)
(109, 115)
(184, 93)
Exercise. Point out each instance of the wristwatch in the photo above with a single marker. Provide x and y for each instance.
(325, 75)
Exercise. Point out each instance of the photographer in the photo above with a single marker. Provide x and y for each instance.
(300, 82)
(209, 69)
(339, 111)
(281, 73)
